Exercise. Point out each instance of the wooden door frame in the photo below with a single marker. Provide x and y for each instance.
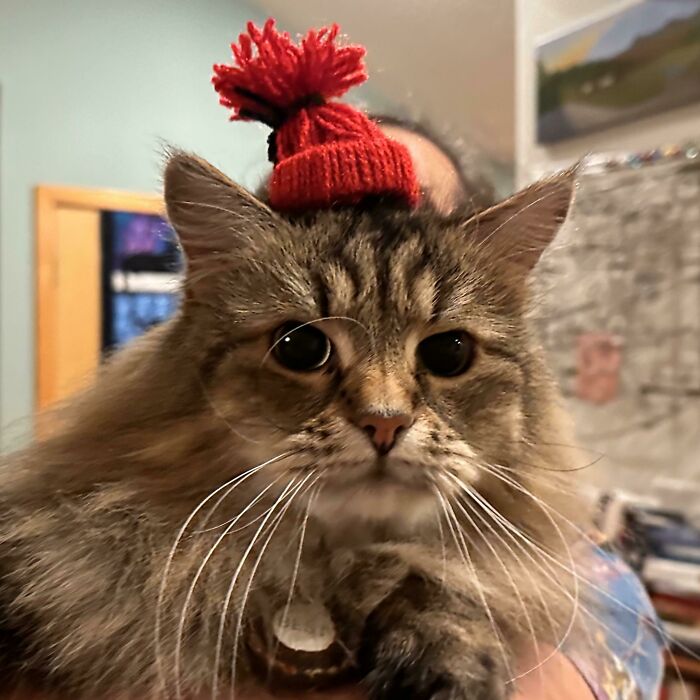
(48, 200)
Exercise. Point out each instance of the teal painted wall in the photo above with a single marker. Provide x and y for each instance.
(90, 89)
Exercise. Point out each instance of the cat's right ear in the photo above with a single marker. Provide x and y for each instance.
(518, 230)
(210, 213)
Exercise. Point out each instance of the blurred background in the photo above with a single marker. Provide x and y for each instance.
(90, 91)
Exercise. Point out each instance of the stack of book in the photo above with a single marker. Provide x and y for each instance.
(664, 548)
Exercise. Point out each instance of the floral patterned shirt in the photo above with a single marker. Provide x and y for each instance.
(622, 658)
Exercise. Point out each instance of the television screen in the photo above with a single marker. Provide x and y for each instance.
(141, 266)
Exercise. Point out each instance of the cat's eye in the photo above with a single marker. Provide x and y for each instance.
(447, 354)
(301, 347)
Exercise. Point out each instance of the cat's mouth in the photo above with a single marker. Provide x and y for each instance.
(384, 471)
(381, 470)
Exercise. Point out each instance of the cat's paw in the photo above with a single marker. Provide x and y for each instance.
(411, 650)
(427, 674)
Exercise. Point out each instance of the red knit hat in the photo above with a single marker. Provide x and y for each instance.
(325, 153)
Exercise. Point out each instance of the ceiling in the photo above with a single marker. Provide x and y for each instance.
(450, 61)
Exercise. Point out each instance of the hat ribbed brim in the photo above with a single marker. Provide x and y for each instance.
(344, 172)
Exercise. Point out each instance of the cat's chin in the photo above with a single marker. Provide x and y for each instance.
(402, 505)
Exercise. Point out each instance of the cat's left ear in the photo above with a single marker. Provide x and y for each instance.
(210, 213)
(519, 229)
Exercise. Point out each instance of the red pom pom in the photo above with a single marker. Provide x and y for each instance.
(273, 77)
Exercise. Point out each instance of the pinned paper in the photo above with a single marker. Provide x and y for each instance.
(598, 365)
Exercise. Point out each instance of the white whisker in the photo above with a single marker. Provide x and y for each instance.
(541, 566)
(509, 528)
(570, 557)
(273, 528)
(234, 578)
(297, 563)
(509, 576)
(601, 591)
(549, 512)
(230, 485)
(443, 545)
(466, 556)
(197, 576)
(318, 320)
(219, 414)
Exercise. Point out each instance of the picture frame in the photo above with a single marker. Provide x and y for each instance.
(635, 62)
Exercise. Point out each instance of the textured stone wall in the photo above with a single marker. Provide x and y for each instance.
(619, 312)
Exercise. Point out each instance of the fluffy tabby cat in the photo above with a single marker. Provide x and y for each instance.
(349, 410)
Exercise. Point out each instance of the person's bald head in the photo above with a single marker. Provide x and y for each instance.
(441, 175)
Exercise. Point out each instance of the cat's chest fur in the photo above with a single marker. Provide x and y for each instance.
(290, 612)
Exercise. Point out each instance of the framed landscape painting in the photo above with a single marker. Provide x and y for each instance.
(637, 62)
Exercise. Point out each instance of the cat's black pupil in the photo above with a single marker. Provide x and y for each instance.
(301, 348)
(447, 354)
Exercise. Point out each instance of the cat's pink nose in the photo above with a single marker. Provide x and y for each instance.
(383, 431)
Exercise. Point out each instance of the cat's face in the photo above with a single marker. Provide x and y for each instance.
(381, 349)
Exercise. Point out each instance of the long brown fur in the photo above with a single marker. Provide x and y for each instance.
(92, 591)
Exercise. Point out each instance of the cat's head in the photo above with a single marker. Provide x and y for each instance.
(382, 350)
